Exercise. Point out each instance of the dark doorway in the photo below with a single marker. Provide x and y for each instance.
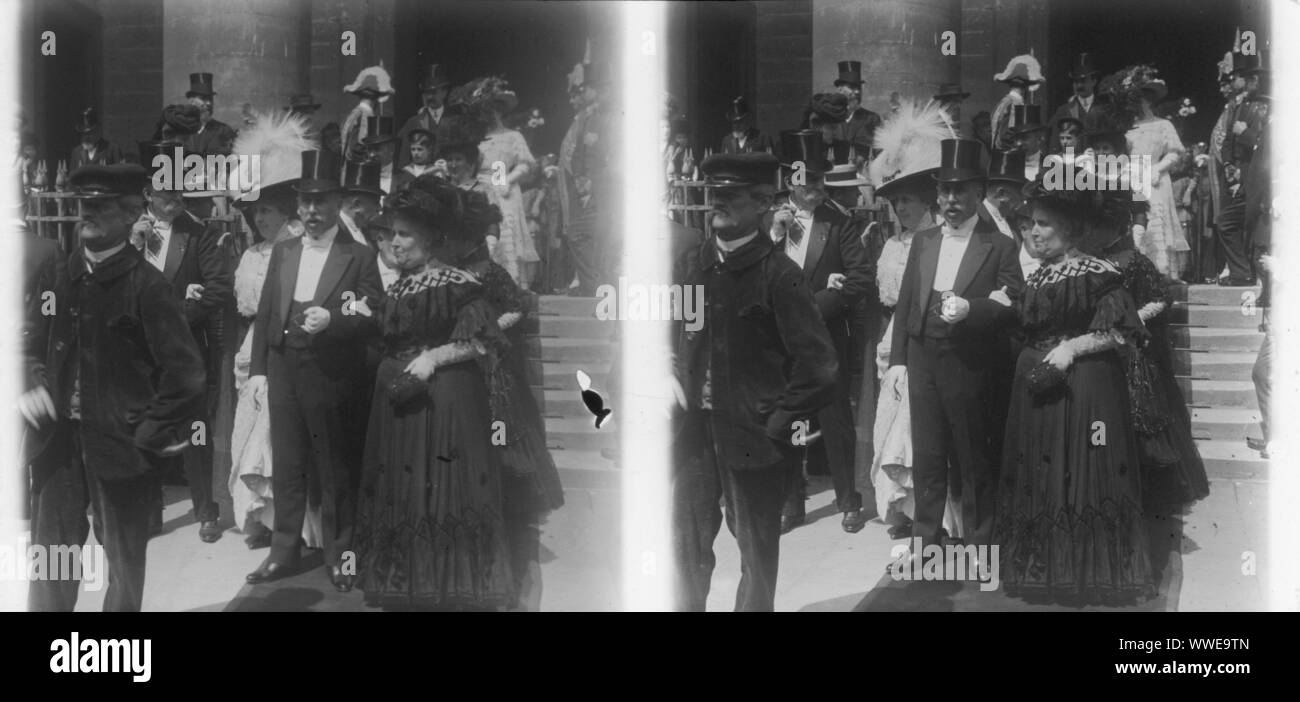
(56, 89)
(711, 50)
(1184, 39)
(533, 45)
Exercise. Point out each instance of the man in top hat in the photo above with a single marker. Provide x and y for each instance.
(378, 147)
(747, 382)
(372, 87)
(1003, 197)
(1082, 106)
(950, 98)
(1245, 128)
(859, 123)
(744, 137)
(826, 114)
(93, 148)
(308, 361)
(114, 382)
(950, 337)
(433, 97)
(362, 196)
(1027, 131)
(213, 136)
(188, 253)
(824, 243)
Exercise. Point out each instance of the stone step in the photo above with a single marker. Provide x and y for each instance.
(1210, 294)
(566, 306)
(576, 350)
(561, 402)
(1232, 460)
(562, 375)
(566, 327)
(1214, 365)
(1202, 392)
(1225, 316)
(585, 470)
(1232, 423)
(579, 434)
(1216, 338)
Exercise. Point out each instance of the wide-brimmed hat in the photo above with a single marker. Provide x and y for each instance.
(1157, 88)
(302, 102)
(845, 175)
(363, 178)
(1024, 69)
(959, 161)
(950, 91)
(804, 146)
(320, 173)
(1083, 67)
(200, 84)
(739, 170)
(908, 148)
(89, 121)
(1008, 167)
(372, 82)
(278, 139)
(379, 130)
(93, 182)
(738, 110)
(850, 73)
(434, 77)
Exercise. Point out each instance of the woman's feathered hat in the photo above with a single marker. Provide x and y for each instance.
(491, 92)
(1124, 88)
(1024, 69)
(909, 145)
(278, 139)
(372, 82)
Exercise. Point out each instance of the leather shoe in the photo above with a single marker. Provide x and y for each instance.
(209, 531)
(155, 523)
(790, 521)
(853, 521)
(268, 572)
(341, 582)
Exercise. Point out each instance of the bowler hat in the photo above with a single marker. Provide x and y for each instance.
(363, 178)
(850, 73)
(1007, 166)
(320, 172)
(805, 146)
(99, 182)
(959, 160)
(200, 84)
(739, 170)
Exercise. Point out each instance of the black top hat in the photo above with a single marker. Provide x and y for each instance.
(96, 182)
(951, 91)
(739, 170)
(959, 160)
(850, 73)
(1007, 166)
(89, 121)
(1083, 66)
(434, 77)
(363, 178)
(1251, 64)
(151, 149)
(739, 110)
(1025, 119)
(805, 146)
(302, 102)
(320, 172)
(200, 84)
(379, 130)
(596, 73)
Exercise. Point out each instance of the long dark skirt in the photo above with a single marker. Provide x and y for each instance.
(1070, 520)
(431, 532)
(1174, 473)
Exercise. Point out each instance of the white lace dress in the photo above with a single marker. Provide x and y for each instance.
(515, 244)
(1164, 241)
(250, 442)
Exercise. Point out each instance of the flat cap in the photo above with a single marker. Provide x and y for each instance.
(95, 182)
(739, 170)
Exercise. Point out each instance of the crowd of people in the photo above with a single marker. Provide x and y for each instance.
(353, 349)
(1024, 392)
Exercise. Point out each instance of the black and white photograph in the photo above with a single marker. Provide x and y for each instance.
(451, 306)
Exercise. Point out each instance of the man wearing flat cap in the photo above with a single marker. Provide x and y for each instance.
(213, 136)
(308, 362)
(950, 342)
(748, 382)
(114, 380)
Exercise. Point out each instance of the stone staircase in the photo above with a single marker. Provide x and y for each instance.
(1216, 338)
(570, 338)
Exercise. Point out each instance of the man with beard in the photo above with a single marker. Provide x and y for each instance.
(213, 137)
(954, 309)
(744, 137)
(824, 243)
(93, 147)
(1083, 105)
(762, 365)
(433, 98)
(308, 360)
(114, 381)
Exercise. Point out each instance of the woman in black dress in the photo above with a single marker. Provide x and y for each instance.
(431, 528)
(1070, 520)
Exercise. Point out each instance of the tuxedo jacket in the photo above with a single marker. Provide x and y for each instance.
(756, 142)
(990, 262)
(835, 246)
(215, 138)
(194, 255)
(860, 131)
(106, 154)
(349, 268)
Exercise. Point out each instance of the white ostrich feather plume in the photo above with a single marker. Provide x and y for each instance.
(278, 139)
(908, 140)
